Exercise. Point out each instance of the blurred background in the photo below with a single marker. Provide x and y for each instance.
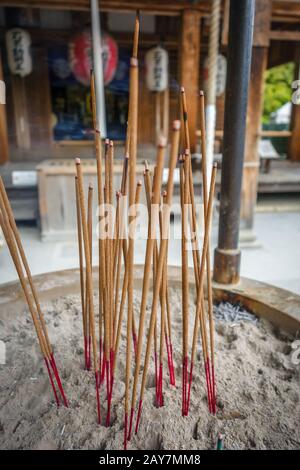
(45, 61)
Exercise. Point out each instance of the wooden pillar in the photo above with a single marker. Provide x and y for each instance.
(3, 126)
(254, 111)
(294, 143)
(20, 109)
(189, 66)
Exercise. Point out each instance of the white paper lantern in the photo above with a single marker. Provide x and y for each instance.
(18, 52)
(157, 64)
(221, 75)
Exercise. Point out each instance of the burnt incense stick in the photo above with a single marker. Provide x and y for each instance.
(13, 240)
(81, 271)
(162, 251)
(147, 270)
(121, 241)
(124, 293)
(196, 257)
(149, 192)
(88, 278)
(199, 317)
(90, 234)
(184, 192)
(168, 334)
(209, 286)
(130, 293)
(8, 210)
(133, 129)
(117, 265)
(163, 330)
(111, 257)
(193, 223)
(101, 244)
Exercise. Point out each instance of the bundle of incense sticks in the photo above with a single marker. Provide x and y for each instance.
(13, 240)
(116, 245)
(116, 220)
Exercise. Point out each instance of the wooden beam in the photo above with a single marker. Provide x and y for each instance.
(254, 115)
(4, 156)
(254, 111)
(281, 35)
(168, 7)
(262, 22)
(189, 67)
(261, 133)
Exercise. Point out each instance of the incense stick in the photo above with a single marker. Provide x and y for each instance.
(88, 278)
(209, 287)
(101, 244)
(162, 251)
(147, 270)
(14, 244)
(149, 192)
(133, 127)
(184, 193)
(81, 270)
(200, 317)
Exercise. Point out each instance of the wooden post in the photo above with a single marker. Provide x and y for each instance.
(189, 66)
(254, 111)
(20, 112)
(294, 144)
(3, 126)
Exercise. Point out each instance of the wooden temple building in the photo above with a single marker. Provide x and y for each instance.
(47, 114)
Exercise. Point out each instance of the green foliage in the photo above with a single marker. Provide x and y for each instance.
(278, 90)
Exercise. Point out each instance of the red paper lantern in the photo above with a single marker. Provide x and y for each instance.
(80, 53)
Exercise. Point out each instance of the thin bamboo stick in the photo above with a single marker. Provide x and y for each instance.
(121, 241)
(193, 218)
(81, 270)
(129, 264)
(184, 183)
(166, 110)
(147, 270)
(195, 250)
(111, 258)
(136, 35)
(149, 191)
(101, 243)
(9, 217)
(90, 234)
(163, 334)
(158, 129)
(168, 309)
(133, 127)
(200, 305)
(8, 210)
(88, 278)
(162, 251)
(124, 292)
(9, 237)
(208, 269)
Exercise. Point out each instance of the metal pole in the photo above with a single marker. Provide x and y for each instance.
(98, 67)
(210, 111)
(227, 254)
